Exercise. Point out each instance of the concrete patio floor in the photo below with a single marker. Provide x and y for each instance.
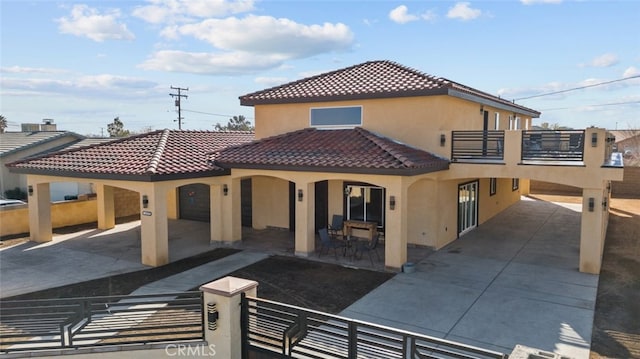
(513, 280)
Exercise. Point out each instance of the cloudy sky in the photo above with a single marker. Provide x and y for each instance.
(84, 63)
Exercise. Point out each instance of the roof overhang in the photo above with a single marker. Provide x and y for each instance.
(121, 177)
(350, 170)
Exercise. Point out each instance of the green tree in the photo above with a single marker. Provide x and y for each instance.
(237, 123)
(116, 128)
(3, 123)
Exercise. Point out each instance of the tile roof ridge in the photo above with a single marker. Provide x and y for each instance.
(383, 143)
(157, 155)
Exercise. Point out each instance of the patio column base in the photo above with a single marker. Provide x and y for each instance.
(302, 254)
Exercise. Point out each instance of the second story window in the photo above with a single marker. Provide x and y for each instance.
(332, 117)
(497, 121)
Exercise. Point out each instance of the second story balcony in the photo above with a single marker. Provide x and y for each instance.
(539, 147)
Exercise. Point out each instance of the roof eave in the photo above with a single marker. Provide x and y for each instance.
(343, 97)
(351, 170)
(121, 176)
(493, 103)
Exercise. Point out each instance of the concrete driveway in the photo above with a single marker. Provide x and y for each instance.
(513, 280)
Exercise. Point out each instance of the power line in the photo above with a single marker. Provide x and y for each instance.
(178, 96)
(598, 105)
(577, 88)
(214, 114)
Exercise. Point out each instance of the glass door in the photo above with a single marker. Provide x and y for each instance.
(467, 207)
(365, 203)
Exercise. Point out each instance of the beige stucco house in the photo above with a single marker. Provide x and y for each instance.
(424, 158)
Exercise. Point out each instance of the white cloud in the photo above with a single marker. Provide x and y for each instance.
(401, 15)
(604, 60)
(531, 2)
(271, 81)
(463, 11)
(631, 72)
(103, 85)
(429, 15)
(30, 70)
(88, 22)
(172, 11)
(231, 63)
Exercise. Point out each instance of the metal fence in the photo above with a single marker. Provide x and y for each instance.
(553, 145)
(477, 145)
(278, 330)
(96, 321)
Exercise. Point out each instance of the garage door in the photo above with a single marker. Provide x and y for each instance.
(194, 202)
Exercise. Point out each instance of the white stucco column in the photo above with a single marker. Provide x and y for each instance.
(305, 219)
(154, 226)
(40, 228)
(395, 239)
(106, 206)
(222, 314)
(215, 222)
(592, 229)
(231, 212)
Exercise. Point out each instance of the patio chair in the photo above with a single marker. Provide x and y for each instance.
(336, 228)
(329, 243)
(369, 246)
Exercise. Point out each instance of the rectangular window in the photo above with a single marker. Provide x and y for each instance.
(517, 124)
(515, 184)
(336, 116)
(493, 185)
(510, 122)
(496, 125)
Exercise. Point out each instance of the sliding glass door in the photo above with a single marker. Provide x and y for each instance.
(467, 207)
(365, 203)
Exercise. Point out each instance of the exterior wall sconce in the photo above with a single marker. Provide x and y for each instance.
(145, 201)
(300, 195)
(604, 204)
(392, 202)
(30, 190)
(347, 191)
(212, 316)
(443, 139)
(225, 189)
(591, 204)
(594, 139)
(609, 186)
(482, 109)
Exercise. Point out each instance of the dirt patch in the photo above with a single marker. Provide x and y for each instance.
(310, 284)
(616, 326)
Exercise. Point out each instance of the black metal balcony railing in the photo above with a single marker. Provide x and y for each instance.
(553, 145)
(477, 145)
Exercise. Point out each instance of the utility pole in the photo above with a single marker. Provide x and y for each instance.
(178, 96)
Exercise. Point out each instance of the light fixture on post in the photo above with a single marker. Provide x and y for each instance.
(225, 189)
(30, 190)
(300, 195)
(392, 202)
(145, 201)
(594, 139)
(591, 204)
(443, 139)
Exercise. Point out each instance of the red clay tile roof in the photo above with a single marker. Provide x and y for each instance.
(346, 150)
(158, 155)
(373, 79)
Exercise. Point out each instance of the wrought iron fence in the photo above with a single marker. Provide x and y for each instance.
(96, 321)
(477, 145)
(285, 331)
(547, 145)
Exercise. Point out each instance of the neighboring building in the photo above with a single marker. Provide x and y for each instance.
(628, 143)
(424, 158)
(34, 140)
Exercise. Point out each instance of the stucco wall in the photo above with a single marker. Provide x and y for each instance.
(270, 207)
(417, 121)
(15, 219)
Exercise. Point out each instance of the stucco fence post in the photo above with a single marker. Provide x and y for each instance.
(222, 314)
